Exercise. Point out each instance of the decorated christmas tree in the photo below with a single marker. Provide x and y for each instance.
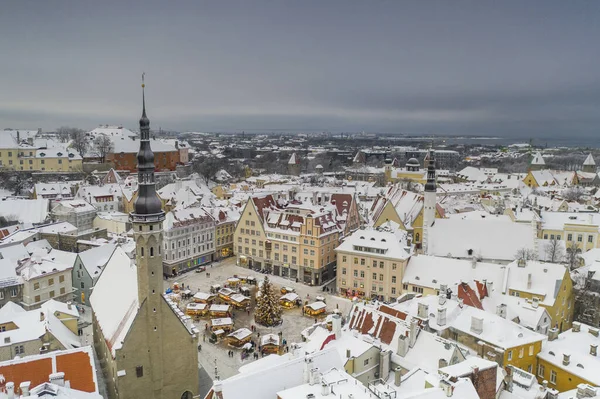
(268, 309)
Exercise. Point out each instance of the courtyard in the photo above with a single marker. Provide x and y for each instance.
(215, 358)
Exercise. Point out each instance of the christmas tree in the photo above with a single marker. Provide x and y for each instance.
(268, 309)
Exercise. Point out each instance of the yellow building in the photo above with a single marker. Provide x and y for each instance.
(412, 172)
(225, 220)
(570, 358)
(297, 241)
(543, 284)
(581, 229)
(28, 158)
(371, 263)
(403, 207)
(549, 178)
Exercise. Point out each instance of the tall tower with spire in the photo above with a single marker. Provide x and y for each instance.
(429, 200)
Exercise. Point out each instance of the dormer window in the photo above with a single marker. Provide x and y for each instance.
(42, 154)
(59, 154)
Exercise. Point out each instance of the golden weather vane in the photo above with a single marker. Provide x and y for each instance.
(143, 74)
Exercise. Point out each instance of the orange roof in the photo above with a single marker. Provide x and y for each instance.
(77, 364)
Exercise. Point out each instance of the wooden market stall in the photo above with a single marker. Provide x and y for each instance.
(239, 337)
(285, 290)
(269, 343)
(219, 310)
(233, 282)
(239, 301)
(196, 309)
(203, 297)
(223, 323)
(246, 291)
(290, 300)
(225, 294)
(315, 308)
(215, 288)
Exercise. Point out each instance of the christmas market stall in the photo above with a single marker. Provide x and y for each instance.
(250, 280)
(203, 297)
(219, 310)
(290, 300)
(233, 282)
(215, 288)
(223, 323)
(315, 308)
(196, 309)
(285, 290)
(246, 291)
(239, 301)
(239, 337)
(225, 294)
(269, 343)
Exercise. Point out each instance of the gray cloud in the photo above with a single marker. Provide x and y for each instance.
(464, 67)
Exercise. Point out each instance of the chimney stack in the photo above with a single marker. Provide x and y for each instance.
(566, 359)
(576, 326)
(441, 316)
(324, 389)
(422, 310)
(69, 305)
(476, 325)
(397, 376)
(402, 345)
(414, 331)
(594, 349)
(24, 387)
(58, 379)
(552, 334)
(501, 310)
(336, 325)
(42, 317)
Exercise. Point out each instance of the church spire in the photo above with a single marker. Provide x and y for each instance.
(147, 202)
(431, 185)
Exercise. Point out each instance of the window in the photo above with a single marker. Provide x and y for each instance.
(569, 237)
(530, 350)
(61, 279)
(558, 237)
(552, 236)
(343, 282)
(393, 290)
(50, 281)
(51, 294)
(37, 298)
(394, 279)
(521, 352)
(374, 276)
(82, 285)
(381, 265)
(362, 274)
(19, 350)
(509, 355)
(62, 290)
(374, 263)
(305, 251)
(366, 362)
(36, 286)
(362, 261)
(142, 251)
(552, 376)
(344, 258)
(590, 238)
(356, 261)
(405, 287)
(13, 292)
(579, 237)
(343, 270)
(293, 260)
(139, 371)
(285, 258)
(356, 273)
(545, 236)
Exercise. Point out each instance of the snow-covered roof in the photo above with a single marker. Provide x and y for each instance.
(33, 211)
(487, 239)
(68, 153)
(294, 159)
(538, 159)
(577, 346)
(75, 206)
(589, 161)
(115, 299)
(537, 278)
(381, 241)
(95, 259)
(128, 145)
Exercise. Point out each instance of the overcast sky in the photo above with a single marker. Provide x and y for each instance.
(508, 68)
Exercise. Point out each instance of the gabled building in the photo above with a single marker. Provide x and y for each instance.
(87, 270)
(78, 212)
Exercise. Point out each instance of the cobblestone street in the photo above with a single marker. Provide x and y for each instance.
(215, 355)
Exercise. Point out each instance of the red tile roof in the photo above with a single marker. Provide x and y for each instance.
(77, 364)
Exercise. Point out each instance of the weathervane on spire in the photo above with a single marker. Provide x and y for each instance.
(143, 95)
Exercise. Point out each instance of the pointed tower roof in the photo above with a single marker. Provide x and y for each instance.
(431, 185)
(538, 159)
(294, 159)
(589, 161)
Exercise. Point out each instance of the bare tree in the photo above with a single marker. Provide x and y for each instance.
(554, 251)
(525, 254)
(103, 146)
(63, 133)
(207, 168)
(16, 182)
(573, 194)
(79, 140)
(573, 256)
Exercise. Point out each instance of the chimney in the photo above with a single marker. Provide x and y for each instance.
(552, 394)
(501, 310)
(552, 334)
(402, 345)
(508, 380)
(324, 389)
(336, 325)
(414, 331)
(594, 349)
(422, 310)
(566, 359)
(24, 387)
(442, 298)
(218, 387)
(348, 353)
(10, 390)
(529, 281)
(474, 371)
(593, 331)
(442, 363)
(473, 261)
(576, 326)
(490, 286)
(447, 387)
(476, 325)
(535, 302)
(397, 376)
(443, 288)
(69, 305)
(42, 316)
(58, 379)
(306, 371)
(441, 316)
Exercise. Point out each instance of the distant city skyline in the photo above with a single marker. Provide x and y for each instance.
(509, 69)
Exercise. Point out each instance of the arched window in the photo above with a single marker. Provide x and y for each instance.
(142, 251)
(151, 251)
(417, 237)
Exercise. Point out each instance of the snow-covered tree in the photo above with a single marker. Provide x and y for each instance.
(268, 310)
